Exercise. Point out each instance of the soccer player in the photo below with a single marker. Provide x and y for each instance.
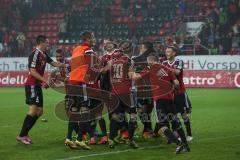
(81, 63)
(182, 101)
(121, 86)
(161, 79)
(111, 49)
(34, 98)
(61, 75)
(144, 104)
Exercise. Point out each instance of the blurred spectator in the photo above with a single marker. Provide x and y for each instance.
(213, 49)
(63, 28)
(21, 40)
(223, 18)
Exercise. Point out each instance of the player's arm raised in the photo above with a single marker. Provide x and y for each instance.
(133, 75)
(58, 64)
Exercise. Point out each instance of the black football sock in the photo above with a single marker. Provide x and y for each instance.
(182, 135)
(149, 123)
(103, 127)
(70, 130)
(90, 127)
(28, 123)
(131, 128)
(156, 129)
(81, 131)
(114, 126)
(187, 124)
(75, 126)
(168, 133)
(34, 120)
(124, 124)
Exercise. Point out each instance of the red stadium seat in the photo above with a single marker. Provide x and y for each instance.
(55, 15)
(139, 19)
(37, 22)
(54, 28)
(42, 29)
(31, 22)
(30, 28)
(36, 28)
(60, 15)
(29, 35)
(48, 28)
(43, 16)
(118, 2)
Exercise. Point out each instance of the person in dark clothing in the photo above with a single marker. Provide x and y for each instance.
(144, 105)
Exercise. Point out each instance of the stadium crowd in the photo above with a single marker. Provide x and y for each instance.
(220, 33)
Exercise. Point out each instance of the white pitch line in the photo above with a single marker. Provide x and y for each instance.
(7, 126)
(132, 150)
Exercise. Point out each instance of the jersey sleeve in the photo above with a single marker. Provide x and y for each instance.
(33, 60)
(48, 59)
(144, 72)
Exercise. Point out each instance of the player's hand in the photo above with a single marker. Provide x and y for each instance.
(131, 69)
(45, 85)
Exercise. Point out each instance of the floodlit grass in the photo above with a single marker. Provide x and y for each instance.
(215, 121)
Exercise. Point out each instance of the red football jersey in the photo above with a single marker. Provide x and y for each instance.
(177, 64)
(93, 72)
(37, 60)
(161, 81)
(119, 74)
(108, 57)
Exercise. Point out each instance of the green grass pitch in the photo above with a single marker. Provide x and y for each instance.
(215, 121)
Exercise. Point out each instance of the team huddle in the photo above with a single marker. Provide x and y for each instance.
(129, 87)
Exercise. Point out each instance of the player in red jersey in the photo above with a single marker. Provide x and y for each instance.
(58, 79)
(182, 101)
(34, 98)
(121, 87)
(162, 80)
(111, 49)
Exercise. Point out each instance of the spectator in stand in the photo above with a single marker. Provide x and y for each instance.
(21, 40)
(63, 28)
(213, 49)
(227, 42)
(223, 19)
(1, 47)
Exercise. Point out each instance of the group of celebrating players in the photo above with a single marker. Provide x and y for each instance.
(125, 84)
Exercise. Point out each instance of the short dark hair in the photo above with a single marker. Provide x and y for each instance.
(126, 47)
(41, 39)
(148, 45)
(86, 35)
(59, 51)
(109, 39)
(174, 48)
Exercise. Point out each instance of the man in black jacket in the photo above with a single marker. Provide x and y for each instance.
(145, 105)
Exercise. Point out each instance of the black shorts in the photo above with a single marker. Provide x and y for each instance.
(165, 111)
(182, 103)
(93, 103)
(34, 95)
(74, 103)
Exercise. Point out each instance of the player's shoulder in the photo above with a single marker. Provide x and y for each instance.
(177, 60)
(179, 63)
(34, 53)
(164, 62)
